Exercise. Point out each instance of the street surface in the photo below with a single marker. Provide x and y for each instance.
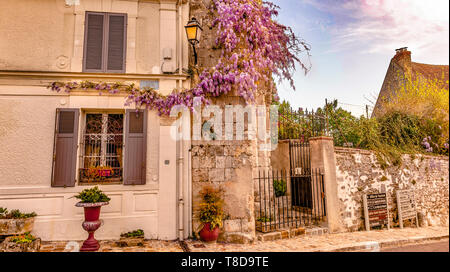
(441, 246)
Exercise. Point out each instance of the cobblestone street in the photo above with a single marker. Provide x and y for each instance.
(356, 241)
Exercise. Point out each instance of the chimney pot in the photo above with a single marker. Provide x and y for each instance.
(403, 49)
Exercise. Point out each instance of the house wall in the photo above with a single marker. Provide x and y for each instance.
(358, 173)
(48, 35)
(27, 135)
(44, 43)
(399, 68)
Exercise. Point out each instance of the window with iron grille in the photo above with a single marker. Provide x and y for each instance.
(102, 148)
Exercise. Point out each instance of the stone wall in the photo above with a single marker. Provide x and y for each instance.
(358, 172)
(226, 165)
(230, 165)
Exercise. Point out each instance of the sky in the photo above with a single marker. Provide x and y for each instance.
(352, 43)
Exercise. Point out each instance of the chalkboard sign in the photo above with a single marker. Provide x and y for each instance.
(376, 211)
(406, 206)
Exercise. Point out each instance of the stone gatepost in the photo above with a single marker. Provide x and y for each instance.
(323, 158)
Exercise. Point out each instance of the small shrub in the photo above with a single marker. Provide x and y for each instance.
(93, 195)
(383, 178)
(133, 234)
(279, 187)
(264, 219)
(25, 238)
(15, 214)
(211, 207)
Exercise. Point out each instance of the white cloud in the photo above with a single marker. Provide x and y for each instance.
(380, 26)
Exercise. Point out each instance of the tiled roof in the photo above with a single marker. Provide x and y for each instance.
(431, 71)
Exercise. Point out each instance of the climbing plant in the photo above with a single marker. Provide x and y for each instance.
(254, 47)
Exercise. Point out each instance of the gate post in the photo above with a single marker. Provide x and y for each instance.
(322, 157)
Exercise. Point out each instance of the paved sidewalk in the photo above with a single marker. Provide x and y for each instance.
(355, 241)
(109, 246)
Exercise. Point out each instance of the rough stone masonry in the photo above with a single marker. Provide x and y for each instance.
(230, 165)
(358, 172)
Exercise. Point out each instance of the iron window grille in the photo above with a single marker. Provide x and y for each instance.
(102, 148)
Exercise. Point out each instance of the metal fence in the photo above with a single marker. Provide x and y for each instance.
(299, 157)
(286, 199)
(299, 124)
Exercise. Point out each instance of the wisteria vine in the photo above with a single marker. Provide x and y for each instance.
(254, 47)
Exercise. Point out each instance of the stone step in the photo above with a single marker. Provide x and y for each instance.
(290, 233)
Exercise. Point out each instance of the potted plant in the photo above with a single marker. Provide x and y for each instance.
(210, 214)
(91, 200)
(15, 222)
(280, 187)
(21, 243)
(99, 173)
(132, 238)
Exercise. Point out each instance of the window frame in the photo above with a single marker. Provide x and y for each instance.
(82, 147)
(105, 43)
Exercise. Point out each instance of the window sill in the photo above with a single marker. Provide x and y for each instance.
(100, 183)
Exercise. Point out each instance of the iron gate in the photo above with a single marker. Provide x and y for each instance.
(301, 180)
(291, 198)
(283, 202)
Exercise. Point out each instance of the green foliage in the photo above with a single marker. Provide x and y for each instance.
(211, 207)
(294, 123)
(93, 195)
(15, 214)
(401, 130)
(264, 219)
(25, 238)
(342, 124)
(393, 134)
(133, 234)
(425, 98)
(280, 187)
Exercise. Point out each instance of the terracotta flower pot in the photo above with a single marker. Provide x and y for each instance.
(208, 235)
(91, 224)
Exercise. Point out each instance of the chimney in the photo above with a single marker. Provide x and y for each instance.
(403, 58)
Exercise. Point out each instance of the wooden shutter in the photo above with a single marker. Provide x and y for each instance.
(116, 42)
(135, 147)
(94, 42)
(105, 42)
(65, 148)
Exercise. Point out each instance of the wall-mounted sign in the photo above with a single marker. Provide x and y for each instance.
(376, 212)
(406, 206)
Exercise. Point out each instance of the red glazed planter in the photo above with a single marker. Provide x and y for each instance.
(208, 235)
(91, 224)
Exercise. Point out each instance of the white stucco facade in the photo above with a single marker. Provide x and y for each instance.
(28, 112)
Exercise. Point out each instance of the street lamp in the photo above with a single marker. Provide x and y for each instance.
(193, 32)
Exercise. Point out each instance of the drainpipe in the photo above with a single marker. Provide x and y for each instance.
(180, 141)
(180, 192)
